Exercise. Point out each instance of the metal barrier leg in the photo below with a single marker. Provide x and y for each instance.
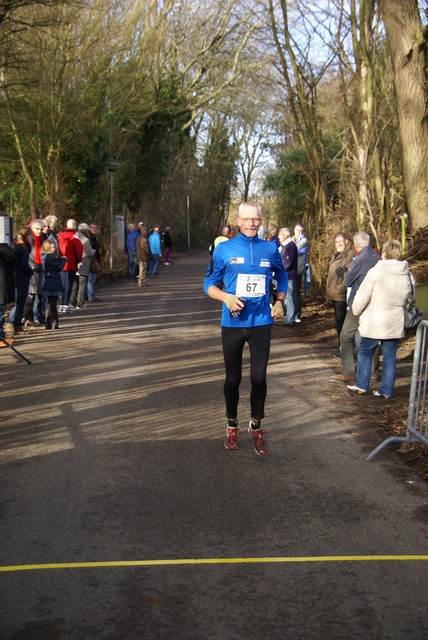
(417, 397)
(385, 443)
(16, 351)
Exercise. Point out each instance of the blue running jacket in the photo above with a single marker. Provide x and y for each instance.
(247, 266)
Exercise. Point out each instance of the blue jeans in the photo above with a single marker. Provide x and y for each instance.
(67, 278)
(367, 349)
(91, 286)
(39, 308)
(298, 295)
(290, 302)
(17, 313)
(132, 264)
(153, 265)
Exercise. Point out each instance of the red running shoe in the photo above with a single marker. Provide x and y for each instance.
(260, 444)
(231, 441)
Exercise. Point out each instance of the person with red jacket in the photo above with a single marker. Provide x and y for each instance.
(70, 247)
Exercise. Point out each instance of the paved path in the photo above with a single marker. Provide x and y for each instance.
(111, 450)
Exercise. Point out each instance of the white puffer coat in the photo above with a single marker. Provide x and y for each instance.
(381, 298)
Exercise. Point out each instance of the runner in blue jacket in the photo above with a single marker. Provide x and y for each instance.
(246, 266)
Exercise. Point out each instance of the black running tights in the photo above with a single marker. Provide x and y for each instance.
(234, 340)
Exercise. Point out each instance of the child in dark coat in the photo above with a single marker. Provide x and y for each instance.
(52, 283)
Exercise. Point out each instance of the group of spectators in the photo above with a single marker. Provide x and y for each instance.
(369, 292)
(144, 249)
(44, 266)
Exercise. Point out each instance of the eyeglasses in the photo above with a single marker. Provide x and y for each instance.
(248, 220)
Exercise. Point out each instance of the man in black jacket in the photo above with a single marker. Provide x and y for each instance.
(7, 285)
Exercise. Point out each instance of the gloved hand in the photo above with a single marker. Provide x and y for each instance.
(278, 310)
(340, 271)
(231, 301)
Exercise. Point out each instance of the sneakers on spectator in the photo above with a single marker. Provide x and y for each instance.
(231, 442)
(380, 395)
(355, 389)
(259, 442)
(61, 308)
(68, 309)
(31, 323)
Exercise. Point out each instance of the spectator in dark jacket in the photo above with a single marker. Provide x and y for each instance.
(336, 288)
(52, 281)
(7, 285)
(90, 290)
(131, 247)
(289, 256)
(34, 312)
(366, 257)
(22, 273)
(167, 243)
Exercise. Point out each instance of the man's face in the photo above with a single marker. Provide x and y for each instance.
(249, 221)
(340, 243)
(37, 228)
(93, 228)
(297, 232)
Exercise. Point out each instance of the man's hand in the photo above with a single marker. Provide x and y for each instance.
(233, 303)
(340, 271)
(277, 311)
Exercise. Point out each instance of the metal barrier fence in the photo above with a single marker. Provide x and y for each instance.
(417, 422)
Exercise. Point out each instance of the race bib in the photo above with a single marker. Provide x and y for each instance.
(250, 285)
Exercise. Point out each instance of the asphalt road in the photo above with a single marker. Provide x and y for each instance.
(111, 451)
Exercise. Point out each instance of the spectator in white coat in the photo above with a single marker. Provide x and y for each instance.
(380, 302)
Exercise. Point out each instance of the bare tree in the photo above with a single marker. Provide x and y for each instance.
(407, 44)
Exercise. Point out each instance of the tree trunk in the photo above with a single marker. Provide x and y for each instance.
(406, 42)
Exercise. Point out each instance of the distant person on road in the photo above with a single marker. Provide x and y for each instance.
(246, 265)
(336, 288)
(143, 257)
(272, 236)
(379, 303)
(222, 237)
(156, 251)
(131, 247)
(167, 243)
(288, 253)
(301, 242)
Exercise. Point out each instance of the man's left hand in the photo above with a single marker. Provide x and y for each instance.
(277, 310)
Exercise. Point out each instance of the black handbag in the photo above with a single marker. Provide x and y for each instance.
(412, 314)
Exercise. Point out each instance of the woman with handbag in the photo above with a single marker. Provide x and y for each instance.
(380, 303)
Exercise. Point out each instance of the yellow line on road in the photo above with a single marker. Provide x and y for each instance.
(216, 561)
